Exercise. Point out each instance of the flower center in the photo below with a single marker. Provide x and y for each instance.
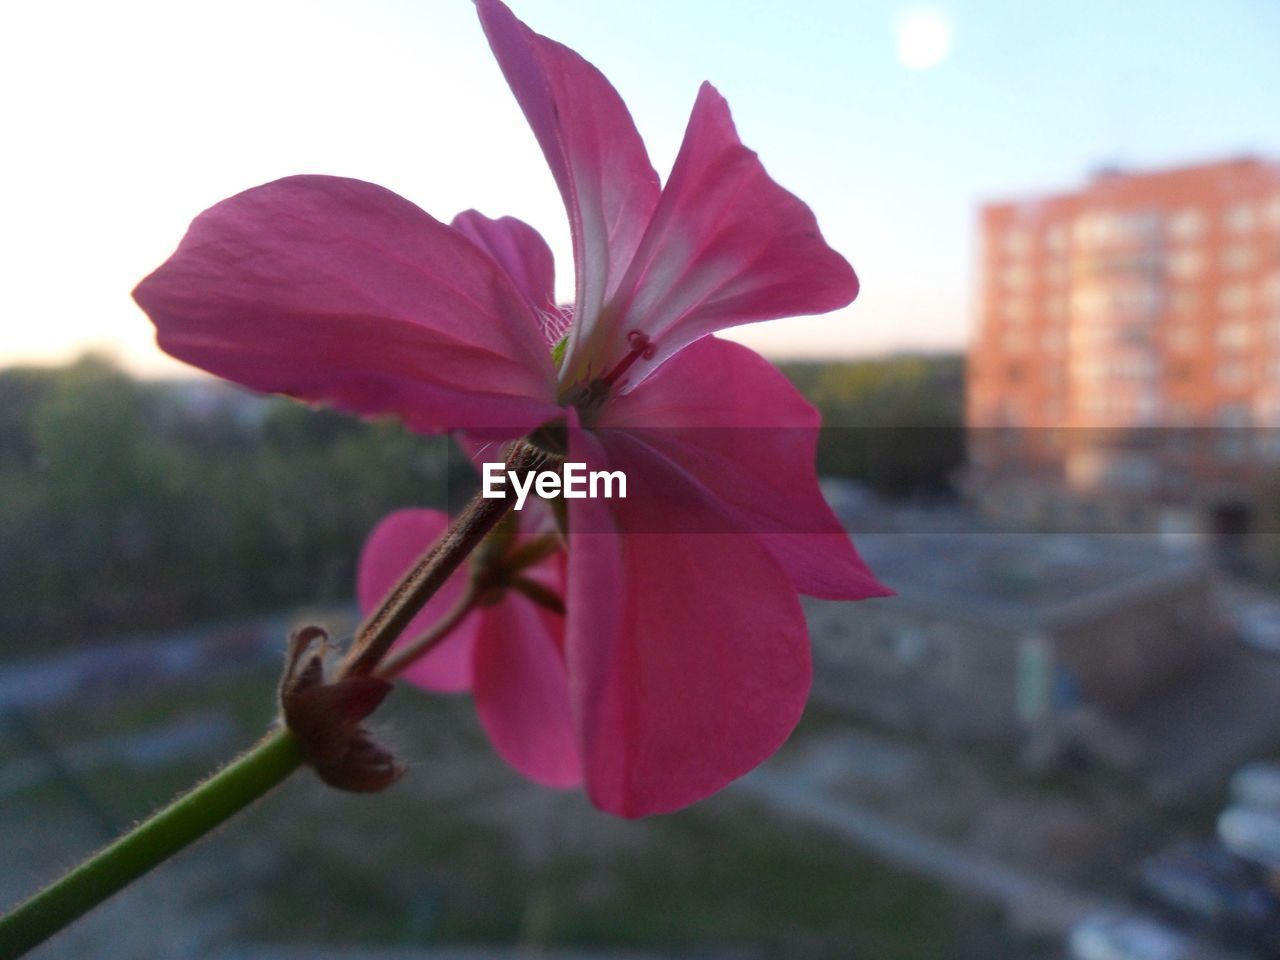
(588, 396)
(641, 346)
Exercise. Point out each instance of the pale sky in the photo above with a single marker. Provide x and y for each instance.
(123, 120)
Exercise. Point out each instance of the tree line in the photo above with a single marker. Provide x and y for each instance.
(130, 505)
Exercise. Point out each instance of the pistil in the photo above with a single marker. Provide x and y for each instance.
(641, 347)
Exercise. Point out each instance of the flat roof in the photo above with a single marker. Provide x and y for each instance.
(1026, 581)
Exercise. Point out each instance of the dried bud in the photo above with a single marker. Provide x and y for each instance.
(326, 717)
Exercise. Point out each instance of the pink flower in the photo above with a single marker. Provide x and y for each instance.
(509, 653)
(685, 655)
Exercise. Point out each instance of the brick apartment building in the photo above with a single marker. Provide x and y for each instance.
(1114, 325)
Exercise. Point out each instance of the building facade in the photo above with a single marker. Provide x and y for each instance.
(998, 636)
(1115, 324)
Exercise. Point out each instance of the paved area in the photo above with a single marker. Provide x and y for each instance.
(205, 734)
(1034, 903)
(1194, 738)
(116, 668)
(471, 953)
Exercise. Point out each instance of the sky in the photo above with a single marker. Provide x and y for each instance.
(894, 121)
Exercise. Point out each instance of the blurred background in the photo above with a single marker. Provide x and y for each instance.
(1051, 424)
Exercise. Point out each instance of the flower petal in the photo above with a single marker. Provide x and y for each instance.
(726, 246)
(388, 553)
(519, 250)
(522, 691)
(738, 431)
(596, 156)
(688, 652)
(340, 291)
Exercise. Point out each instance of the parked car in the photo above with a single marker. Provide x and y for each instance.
(1257, 786)
(1112, 935)
(1258, 626)
(1209, 889)
(1252, 834)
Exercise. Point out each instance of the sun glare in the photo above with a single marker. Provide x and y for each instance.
(924, 39)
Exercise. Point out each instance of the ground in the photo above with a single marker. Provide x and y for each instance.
(461, 852)
(855, 841)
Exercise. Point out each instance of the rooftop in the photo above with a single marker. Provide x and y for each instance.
(946, 559)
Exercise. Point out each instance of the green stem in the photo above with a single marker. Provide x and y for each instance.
(277, 755)
(150, 843)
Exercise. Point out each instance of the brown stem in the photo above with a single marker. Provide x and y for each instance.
(379, 631)
(542, 595)
(399, 660)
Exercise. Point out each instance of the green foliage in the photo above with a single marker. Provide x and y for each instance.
(896, 424)
(128, 506)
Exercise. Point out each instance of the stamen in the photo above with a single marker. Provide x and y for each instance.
(641, 346)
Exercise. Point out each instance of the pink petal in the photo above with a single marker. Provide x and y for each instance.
(739, 432)
(524, 255)
(688, 652)
(388, 553)
(596, 156)
(339, 291)
(522, 691)
(726, 246)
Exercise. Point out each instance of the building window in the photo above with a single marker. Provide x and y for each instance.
(1239, 218)
(1103, 405)
(1132, 299)
(1089, 301)
(1232, 373)
(1185, 264)
(1127, 368)
(1089, 370)
(1232, 415)
(1015, 309)
(1017, 242)
(1237, 258)
(1186, 224)
(1271, 290)
(1012, 413)
(1234, 336)
(1234, 298)
(1015, 341)
(1101, 228)
(1267, 411)
(1182, 301)
(1015, 276)
(1143, 225)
